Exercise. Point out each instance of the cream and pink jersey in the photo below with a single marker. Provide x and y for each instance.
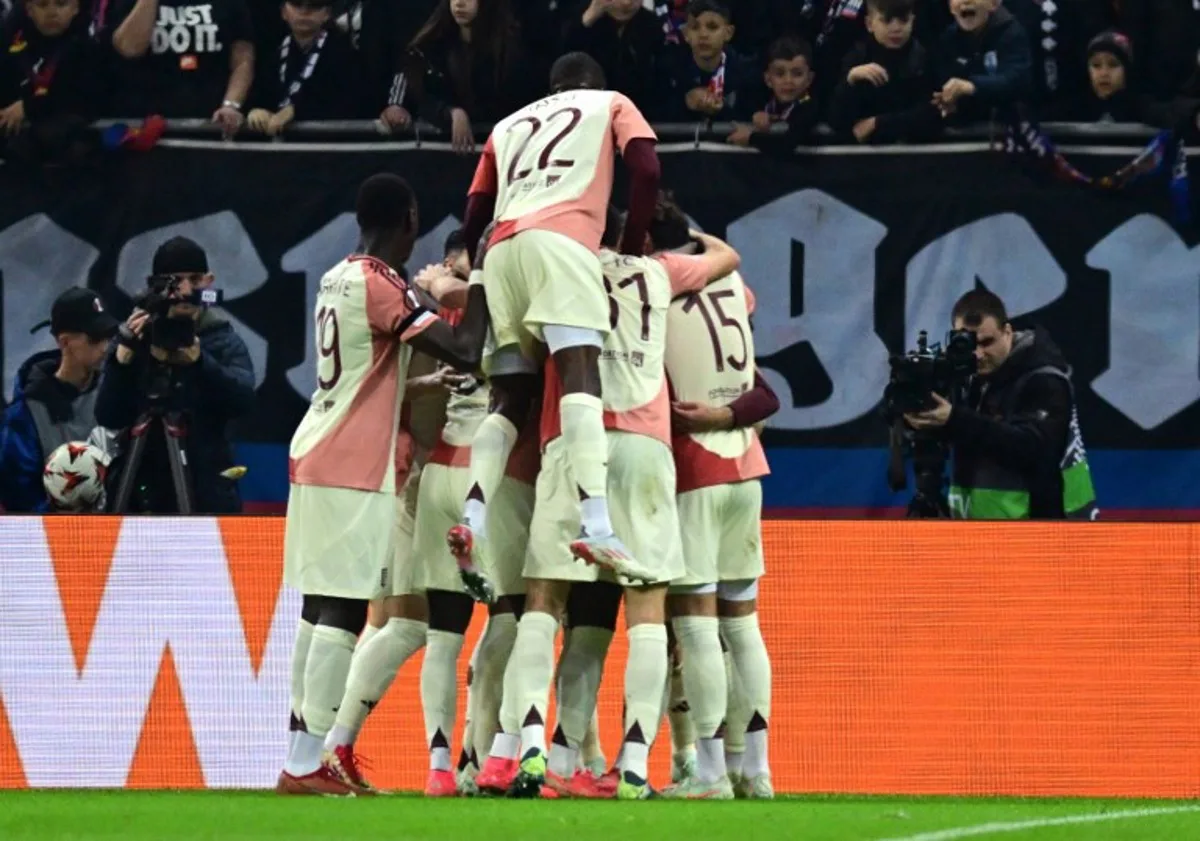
(464, 413)
(710, 360)
(550, 165)
(350, 436)
(632, 368)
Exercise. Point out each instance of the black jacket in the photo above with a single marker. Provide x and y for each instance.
(1033, 440)
(53, 76)
(209, 393)
(448, 74)
(628, 54)
(1166, 45)
(334, 89)
(1130, 106)
(903, 108)
(679, 74)
(996, 60)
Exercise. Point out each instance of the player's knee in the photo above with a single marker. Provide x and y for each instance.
(345, 614)
(692, 600)
(737, 598)
(513, 604)
(450, 612)
(513, 396)
(594, 605)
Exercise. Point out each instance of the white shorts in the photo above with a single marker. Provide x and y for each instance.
(721, 527)
(641, 502)
(440, 506)
(537, 277)
(339, 542)
(405, 570)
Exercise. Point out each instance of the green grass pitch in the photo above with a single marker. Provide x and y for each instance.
(243, 816)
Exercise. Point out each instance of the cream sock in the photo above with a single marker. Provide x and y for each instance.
(495, 646)
(527, 680)
(325, 674)
(591, 752)
(300, 648)
(587, 452)
(752, 665)
(737, 716)
(704, 687)
(371, 673)
(490, 448)
(645, 674)
(365, 637)
(580, 671)
(439, 693)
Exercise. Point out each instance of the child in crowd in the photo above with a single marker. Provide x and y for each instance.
(314, 74)
(626, 39)
(48, 75)
(789, 77)
(884, 95)
(1112, 97)
(705, 80)
(984, 62)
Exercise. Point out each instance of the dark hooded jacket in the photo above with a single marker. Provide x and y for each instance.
(44, 414)
(1021, 424)
(996, 60)
(210, 393)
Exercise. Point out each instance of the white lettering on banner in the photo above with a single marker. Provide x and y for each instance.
(185, 29)
(1154, 338)
(38, 261)
(314, 257)
(839, 300)
(82, 730)
(232, 259)
(1003, 252)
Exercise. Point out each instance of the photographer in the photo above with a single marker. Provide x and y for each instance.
(181, 359)
(1017, 449)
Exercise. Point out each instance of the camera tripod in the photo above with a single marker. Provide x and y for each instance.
(174, 433)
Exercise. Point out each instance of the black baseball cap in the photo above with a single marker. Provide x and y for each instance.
(179, 255)
(79, 310)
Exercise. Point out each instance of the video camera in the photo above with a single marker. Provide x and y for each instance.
(165, 331)
(930, 369)
(916, 376)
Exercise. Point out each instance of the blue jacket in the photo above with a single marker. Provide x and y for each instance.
(209, 394)
(996, 60)
(44, 414)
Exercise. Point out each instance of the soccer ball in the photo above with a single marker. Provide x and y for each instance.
(74, 476)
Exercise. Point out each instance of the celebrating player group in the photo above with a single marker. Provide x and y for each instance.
(561, 416)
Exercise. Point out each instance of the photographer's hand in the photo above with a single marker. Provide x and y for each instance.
(136, 326)
(931, 418)
(186, 356)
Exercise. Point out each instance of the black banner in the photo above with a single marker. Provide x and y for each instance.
(849, 251)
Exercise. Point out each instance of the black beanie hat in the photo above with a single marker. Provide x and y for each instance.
(1116, 44)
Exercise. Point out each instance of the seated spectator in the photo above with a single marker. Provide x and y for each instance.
(47, 75)
(54, 399)
(190, 58)
(983, 62)
(1112, 98)
(789, 78)
(706, 80)
(625, 38)
(887, 82)
(469, 65)
(316, 73)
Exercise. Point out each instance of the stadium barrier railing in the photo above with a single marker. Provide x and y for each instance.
(909, 658)
(423, 132)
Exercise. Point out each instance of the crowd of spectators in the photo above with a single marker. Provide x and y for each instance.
(876, 71)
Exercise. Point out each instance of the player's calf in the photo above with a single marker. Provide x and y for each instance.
(752, 665)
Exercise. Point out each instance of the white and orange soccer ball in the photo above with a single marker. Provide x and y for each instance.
(74, 476)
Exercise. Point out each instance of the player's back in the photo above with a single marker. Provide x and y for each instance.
(632, 362)
(554, 162)
(710, 360)
(347, 437)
